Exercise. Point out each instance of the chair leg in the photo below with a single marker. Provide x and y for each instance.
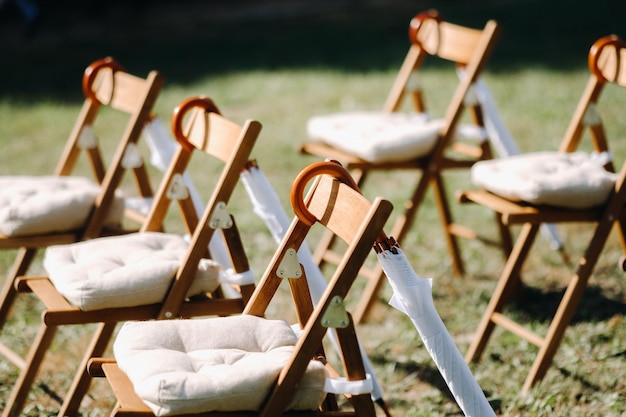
(508, 282)
(560, 322)
(621, 229)
(354, 368)
(42, 342)
(22, 262)
(82, 380)
(506, 241)
(445, 215)
(569, 303)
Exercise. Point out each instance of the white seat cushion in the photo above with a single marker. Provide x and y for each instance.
(215, 364)
(46, 204)
(123, 271)
(377, 136)
(571, 180)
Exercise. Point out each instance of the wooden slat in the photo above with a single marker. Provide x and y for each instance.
(129, 404)
(47, 293)
(352, 162)
(494, 202)
(320, 148)
(517, 213)
(122, 387)
(12, 356)
(74, 315)
(517, 329)
(7, 242)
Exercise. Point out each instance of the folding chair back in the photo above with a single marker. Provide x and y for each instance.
(392, 141)
(334, 203)
(601, 203)
(430, 35)
(149, 274)
(105, 84)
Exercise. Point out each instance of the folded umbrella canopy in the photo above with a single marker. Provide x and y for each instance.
(412, 295)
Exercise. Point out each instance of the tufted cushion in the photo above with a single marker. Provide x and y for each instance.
(572, 180)
(215, 364)
(123, 271)
(46, 204)
(377, 136)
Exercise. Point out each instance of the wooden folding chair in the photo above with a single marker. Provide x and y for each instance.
(71, 296)
(393, 141)
(600, 202)
(334, 203)
(105, 84)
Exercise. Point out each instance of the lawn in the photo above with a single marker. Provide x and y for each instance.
(281, 63)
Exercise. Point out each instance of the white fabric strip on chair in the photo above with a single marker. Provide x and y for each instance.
(141, 205)
(344, 386)
(242, 278)
(47, 204)
(341, 385)
(377, 136)
(87, 138)
(123, 271)
(214, 364)
(572, 180)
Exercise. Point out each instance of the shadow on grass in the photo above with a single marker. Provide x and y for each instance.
(192, 39)
(430, 375)
(540, 305)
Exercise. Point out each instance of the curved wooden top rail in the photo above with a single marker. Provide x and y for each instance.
(332, 168)
(423, 21)
(335, 170)
(92, 71)
(607, 60)
(182, 110)
(429, 32)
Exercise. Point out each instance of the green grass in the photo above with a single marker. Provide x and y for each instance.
(284, 70)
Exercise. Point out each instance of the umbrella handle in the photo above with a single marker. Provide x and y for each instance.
(92, 71)
(181, 111)
(332, 168)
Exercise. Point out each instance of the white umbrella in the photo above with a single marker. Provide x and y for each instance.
(412, 295)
